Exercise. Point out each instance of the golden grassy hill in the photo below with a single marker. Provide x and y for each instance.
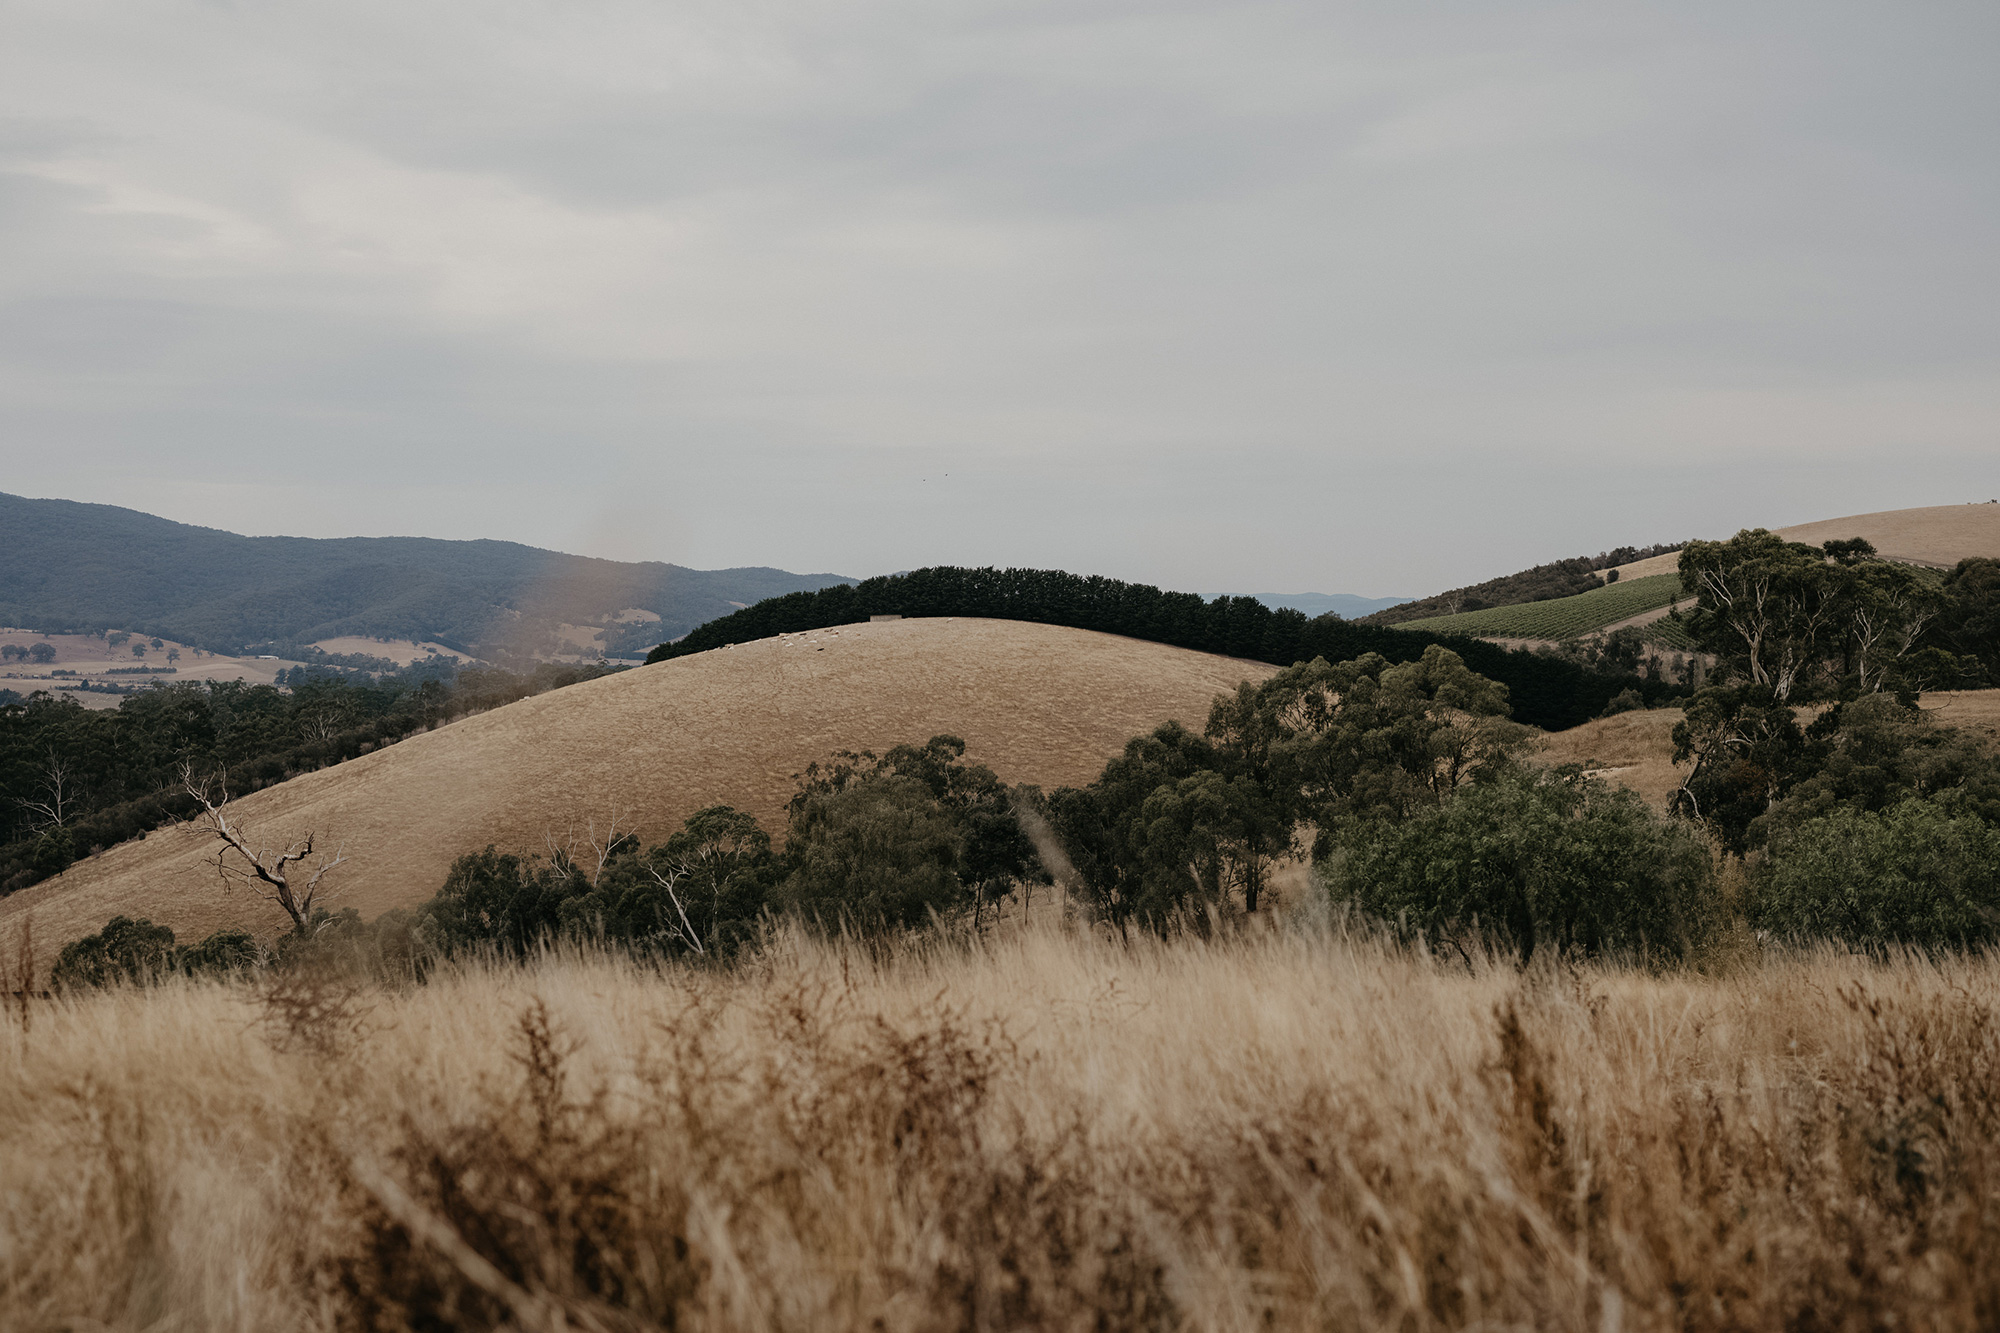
(1037, 703)
(1935, 535)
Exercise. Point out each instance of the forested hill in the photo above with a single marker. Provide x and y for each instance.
(72, 567)
(1544, 690)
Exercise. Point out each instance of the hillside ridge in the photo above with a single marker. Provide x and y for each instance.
(1037, 703)
(76, 567)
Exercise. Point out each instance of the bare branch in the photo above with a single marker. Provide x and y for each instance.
(681, 869)
(270, 874)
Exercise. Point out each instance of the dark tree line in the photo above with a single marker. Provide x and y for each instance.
(1545, 690)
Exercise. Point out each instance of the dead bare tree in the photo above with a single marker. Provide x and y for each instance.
(291, 878)
(585, 849)
(677, 871)
(58, 791)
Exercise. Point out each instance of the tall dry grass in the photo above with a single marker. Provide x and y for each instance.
(1300, 1130)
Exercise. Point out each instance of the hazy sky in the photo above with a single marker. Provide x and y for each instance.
(1367, 298)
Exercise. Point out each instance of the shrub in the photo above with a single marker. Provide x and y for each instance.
(222, 953)
(125, 950)
(1540, 860)
(1625, 701)
(139, 952)
(497, 899)
(1922, 872)
(700, 892)
(879, 853)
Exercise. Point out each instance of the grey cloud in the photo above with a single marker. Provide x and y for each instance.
(1361, 298)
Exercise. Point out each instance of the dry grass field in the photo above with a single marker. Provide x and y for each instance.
(89, 656)
(1934, 535)
(1047, 1130)
(1037, 703)
(1634, 749)
(400, 651)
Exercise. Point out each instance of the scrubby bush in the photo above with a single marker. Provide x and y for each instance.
(223, 953)
(1539, 860)
(698, 893)
(879, 853)
(1923, 872)
(1625, 701)
(499, 900)
(139, 952)
(125, 950)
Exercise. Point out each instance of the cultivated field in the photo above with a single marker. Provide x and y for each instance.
(1049, 1131)
(1037, 703)
(1561, 617)
(1939, 536)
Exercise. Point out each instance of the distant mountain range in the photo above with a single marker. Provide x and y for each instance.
(1343, 604)
(70, 567)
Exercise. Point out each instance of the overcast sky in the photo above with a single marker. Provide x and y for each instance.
(1370, 298)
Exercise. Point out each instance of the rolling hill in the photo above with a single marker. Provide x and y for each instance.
(1038, 703)
(1344, 604)
(90, 568)
(1938, 537)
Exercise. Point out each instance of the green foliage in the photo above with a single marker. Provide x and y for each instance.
(498, 900)
(224, 953)
(1562, 618)
(1128, 858)
(1540, 860)
(700, 893)
(1745, 749)
(878, 853)
(1969, 624)
(1181, 821)
(124, 951)
(138, 953)
(1822, 622)
(994, 853)
(1877, 752)
(1628, 701)
(1754, 770)
(1920, 872)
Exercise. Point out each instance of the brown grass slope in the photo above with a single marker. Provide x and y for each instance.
(1636, 749)
(1050, 1131)
(1934, 535)
(1037, 703)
